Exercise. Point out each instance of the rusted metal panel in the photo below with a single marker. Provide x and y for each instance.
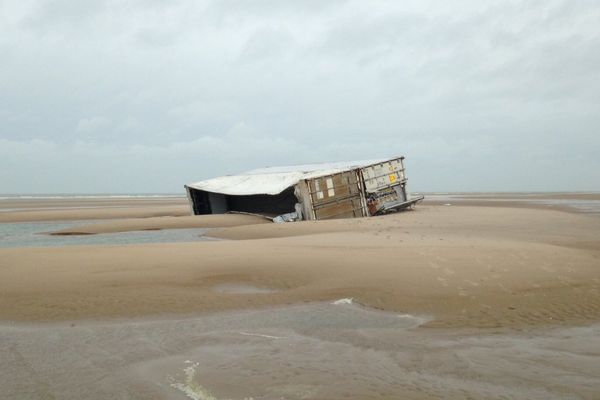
(302, 192)
(346, 208)
(332, 187)
(337, 195)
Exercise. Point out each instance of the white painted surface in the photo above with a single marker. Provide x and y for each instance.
(274, 180)
(383, 175)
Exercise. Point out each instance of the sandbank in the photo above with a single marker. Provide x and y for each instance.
(470, 267)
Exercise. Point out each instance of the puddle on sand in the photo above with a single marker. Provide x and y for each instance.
(583, 206)
(242, 288)
(293, 352)
(309, 351)
(35, 234)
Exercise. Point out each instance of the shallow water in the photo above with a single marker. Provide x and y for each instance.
(32, 234)
(242, 288)
(308, 351)
(584, 206)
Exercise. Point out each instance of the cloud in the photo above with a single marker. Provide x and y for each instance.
(211, 87)
(92, 124)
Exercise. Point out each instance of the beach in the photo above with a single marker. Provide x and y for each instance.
(463, 270)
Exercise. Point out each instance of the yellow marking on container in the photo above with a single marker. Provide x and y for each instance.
(392, 178)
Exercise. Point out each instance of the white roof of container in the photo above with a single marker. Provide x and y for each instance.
(274, 180)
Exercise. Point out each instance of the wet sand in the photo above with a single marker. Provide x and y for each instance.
(166, 222)
(516, 284)
(63, 209)
(468, 266)
(580, 203)
(294, 352)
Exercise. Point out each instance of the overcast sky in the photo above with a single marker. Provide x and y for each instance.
(145, 96)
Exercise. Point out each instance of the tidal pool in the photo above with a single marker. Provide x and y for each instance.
(328, 350)
(242, 288)
(34, 234)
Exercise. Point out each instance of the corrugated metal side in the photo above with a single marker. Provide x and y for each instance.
(383, 175)
(336, 196)
(347, 208)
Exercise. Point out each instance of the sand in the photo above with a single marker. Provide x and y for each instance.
(478, 267)
(62, 209)
(166, 222)
(584, 202)
(294, 352)
(475, 301)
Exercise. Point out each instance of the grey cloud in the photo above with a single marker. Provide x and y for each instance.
(211, 87)
(265, 44)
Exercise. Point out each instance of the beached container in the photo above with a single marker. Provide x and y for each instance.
(338, 195)
(307, 192)
(385, 185)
